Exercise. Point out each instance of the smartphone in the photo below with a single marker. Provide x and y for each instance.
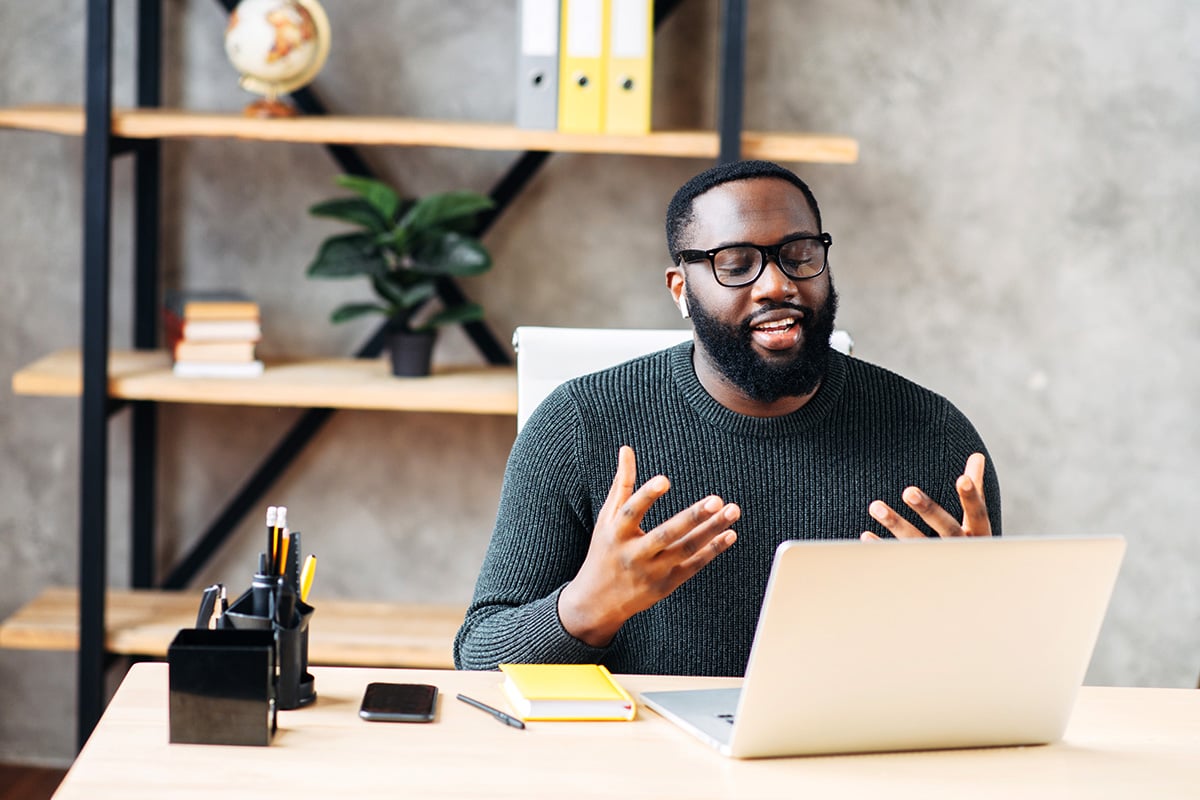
(399, 702)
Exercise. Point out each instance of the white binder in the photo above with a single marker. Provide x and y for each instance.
(537, 64)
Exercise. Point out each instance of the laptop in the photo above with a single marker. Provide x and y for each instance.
(913, 645)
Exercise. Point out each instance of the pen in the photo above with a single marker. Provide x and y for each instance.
(495, 712)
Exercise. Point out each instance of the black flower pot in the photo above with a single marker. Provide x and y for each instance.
(411, 352)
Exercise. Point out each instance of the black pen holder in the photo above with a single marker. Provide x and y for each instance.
(295, 686)
(222, 686)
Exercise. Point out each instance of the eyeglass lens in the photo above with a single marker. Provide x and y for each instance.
(799, 258)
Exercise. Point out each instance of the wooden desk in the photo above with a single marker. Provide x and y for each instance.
(1121, 743)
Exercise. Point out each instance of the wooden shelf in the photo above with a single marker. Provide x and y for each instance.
(379, 130)
(142, 622)
(358, 383)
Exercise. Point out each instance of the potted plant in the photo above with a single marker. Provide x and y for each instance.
(403, 247)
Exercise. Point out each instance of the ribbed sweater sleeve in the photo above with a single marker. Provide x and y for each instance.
(865, 435)
(542, 532)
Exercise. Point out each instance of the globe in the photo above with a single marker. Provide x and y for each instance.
(277, 46)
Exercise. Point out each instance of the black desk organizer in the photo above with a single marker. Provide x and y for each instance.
(228, 681)
(295, 685)
(222, 687)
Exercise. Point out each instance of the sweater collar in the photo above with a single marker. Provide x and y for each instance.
(816, 409)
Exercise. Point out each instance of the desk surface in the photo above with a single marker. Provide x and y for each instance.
(1120, 743)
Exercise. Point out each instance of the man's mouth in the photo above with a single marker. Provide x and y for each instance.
(778, 332)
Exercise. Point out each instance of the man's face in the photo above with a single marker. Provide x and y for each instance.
(770, 339)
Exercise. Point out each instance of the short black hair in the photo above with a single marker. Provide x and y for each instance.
(679, 211)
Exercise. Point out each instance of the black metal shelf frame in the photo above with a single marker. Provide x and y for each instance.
(100, 148)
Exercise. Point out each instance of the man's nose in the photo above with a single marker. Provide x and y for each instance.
(773, 283)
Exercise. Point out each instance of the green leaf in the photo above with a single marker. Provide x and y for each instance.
(467, 312)
(347, 256)
(453, 254)
(355, 310)
(439, 209)
(381, 196)
(397, 239)
(403, 294)
(354, 210)
(421, 293)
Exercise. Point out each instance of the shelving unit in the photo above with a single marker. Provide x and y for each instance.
(348, 383)
(140, 379)
(161, 123)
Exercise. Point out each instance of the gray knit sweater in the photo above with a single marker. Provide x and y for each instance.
(811, 474)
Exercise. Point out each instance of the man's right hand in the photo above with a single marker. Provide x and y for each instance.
(627, 570)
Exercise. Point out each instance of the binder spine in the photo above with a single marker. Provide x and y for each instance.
(537, 64)
(581, 74)
(629, 71)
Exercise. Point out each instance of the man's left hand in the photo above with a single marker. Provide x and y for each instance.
(969, 486)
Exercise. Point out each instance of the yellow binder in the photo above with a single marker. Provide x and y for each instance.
(581, 66)
(630, 65)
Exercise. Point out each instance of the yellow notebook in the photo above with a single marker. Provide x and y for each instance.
(566, 692)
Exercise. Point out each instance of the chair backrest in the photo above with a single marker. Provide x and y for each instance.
(547, 357)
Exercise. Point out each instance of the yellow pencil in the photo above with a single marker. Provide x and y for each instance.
(306, 576)
(283, 550)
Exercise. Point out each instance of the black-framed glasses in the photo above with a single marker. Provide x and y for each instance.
(800, 258)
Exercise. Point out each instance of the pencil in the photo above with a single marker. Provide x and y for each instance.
(283, 550)
(306, 576)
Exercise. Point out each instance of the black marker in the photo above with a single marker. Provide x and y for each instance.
(285, 603)
(495, 712)
(262, 588)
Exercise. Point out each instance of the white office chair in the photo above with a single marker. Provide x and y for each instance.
(548, 356)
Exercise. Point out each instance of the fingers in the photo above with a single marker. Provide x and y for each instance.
(970, 493)
(936, 517)
(901, 528)
(975, 521)
(696, 536)
(691, 530)
(625, 478)
(974, 470)
(716, 545)
(624, 505)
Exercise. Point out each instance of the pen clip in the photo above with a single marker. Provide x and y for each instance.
(208, 602)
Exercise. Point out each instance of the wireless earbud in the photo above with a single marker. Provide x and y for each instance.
(683, 308)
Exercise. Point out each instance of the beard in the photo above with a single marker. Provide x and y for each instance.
(761, 380)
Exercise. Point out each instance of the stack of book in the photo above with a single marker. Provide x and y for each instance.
(212, 334)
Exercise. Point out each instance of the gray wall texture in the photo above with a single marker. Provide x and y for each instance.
(1020, 235)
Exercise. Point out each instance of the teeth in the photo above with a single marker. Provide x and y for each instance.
(776, 326)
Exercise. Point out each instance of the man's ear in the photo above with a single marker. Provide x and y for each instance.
(677, 287)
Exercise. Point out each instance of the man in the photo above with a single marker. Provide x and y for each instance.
(756, 423)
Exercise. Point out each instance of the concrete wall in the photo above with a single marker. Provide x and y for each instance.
(1020, 234)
